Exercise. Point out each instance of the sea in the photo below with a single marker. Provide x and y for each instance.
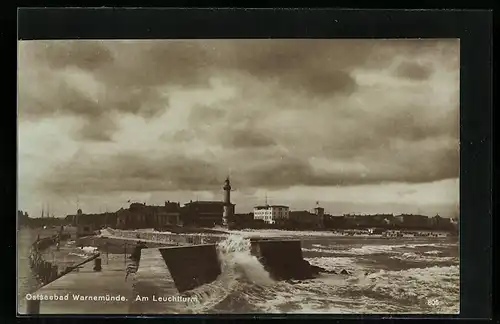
(404, 275)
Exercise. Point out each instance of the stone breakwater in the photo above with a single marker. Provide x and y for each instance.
(282, 258)
(44, 271)
(165, 237)
(280, 270)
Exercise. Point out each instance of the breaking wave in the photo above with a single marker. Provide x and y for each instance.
(410, 256)
(244, 286)
(240, 270)
(333, 263)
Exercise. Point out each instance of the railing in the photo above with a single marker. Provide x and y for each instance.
(191, 238)
(33, 305)
(44, 271)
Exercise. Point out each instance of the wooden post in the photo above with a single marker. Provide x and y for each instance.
(107, 252)
(125, 254)
(33, 307)
(97, 264)
(55, 272)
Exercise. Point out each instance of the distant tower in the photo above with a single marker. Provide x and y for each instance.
(228, 213)
(320, 212)
(78, 214)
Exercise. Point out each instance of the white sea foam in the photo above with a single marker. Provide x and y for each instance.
(321, 246)
(79, 255)
(412, 246)
(435, 252)
(387, 249)
(294, 234)
(416, 284)
(235, 252)
(319, 250)
(333, 263)
(415, 257)
(371, 249)
(238, 267)
(89, 249)
(407, 291)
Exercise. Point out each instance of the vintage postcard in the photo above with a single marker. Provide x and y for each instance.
(238, 176)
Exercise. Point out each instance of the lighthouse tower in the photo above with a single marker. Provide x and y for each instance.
(228, 213)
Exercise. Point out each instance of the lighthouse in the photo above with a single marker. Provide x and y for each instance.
(228, 213)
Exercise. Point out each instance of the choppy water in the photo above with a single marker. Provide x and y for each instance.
(26, 282)
(404, 275)
(411, 275)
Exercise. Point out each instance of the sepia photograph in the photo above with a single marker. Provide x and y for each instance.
(238, 176)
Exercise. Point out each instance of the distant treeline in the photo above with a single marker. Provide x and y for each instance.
(246, 221)
(23, 220)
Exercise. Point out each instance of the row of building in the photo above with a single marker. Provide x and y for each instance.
(281, 215)
(140, 215)
(211, 213)
(193, 214)
(222, 213)
(407, 221)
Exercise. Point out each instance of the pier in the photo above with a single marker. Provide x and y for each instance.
(151, 281)
(143, 270)
(88, 283)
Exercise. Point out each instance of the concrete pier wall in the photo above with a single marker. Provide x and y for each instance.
(282, 258)
(192, 266)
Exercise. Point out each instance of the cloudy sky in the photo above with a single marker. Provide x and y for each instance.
(359, 125)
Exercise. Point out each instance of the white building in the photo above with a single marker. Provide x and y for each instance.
(271, 213)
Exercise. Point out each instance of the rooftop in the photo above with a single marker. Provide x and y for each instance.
(270, 206)
(206, 202)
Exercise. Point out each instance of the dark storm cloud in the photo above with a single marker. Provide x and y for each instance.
(86, 55)
(410, 168)
(182, 136)
(128, 72)
(414, 71)
(72, 78)
(315, 66)
(99, 129)
(244, 139)
(133, 172)
(148, 64)
(206, 114)
(412, 124)
(418, 163)
(286, 109)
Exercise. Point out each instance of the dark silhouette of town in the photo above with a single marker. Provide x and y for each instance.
(208, 214)
(205, 215)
